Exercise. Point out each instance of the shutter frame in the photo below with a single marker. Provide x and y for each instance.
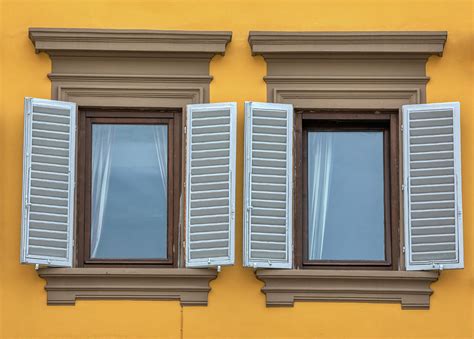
(231, 107)
(42, 259)
(249, 261)
(434, 263)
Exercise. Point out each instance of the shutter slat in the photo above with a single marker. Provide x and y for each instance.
(432, 177)
(268, 185)
(48, 182)
(210, 184)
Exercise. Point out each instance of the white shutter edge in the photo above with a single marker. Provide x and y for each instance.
(455, 107)
(249, 105)
(246, 190)
(27, 149)
(232, 106)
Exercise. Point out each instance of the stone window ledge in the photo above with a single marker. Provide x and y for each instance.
(409, 288)
(65, 285)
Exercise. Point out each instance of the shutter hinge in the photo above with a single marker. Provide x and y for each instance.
(403, 187)
(403, 249)
(185, 129)
(401, 127)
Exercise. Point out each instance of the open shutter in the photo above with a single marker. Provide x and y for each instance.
(48, 182)
(432, 193)
(210, 184)
(268, 209)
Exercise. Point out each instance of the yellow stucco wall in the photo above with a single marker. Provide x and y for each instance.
(236, 305)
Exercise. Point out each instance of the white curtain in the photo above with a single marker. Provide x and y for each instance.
(101, 162)
(319, 177)
(160, 134)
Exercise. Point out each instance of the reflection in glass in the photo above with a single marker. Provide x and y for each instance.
(129, 191)
(346, 196)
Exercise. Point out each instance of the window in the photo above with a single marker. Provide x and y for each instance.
(129, 200)
(129, 166)
(347, 167)
(57, 235)
(352, 72)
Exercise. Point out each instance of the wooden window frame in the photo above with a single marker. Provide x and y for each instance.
(88, 116)
(309, 120)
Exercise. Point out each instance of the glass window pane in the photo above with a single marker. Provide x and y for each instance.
(346, 196)
(129, 191)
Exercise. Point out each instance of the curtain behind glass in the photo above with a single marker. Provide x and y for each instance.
(102, 142)
(160, 135)
(102, 138)
(320, 148)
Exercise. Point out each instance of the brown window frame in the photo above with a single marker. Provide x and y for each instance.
(387, 121)
(88, 116)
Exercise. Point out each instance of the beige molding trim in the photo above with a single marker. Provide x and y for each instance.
(76, 41)
(130, 78)
(348, 98)
(143, 97)
(347, 62)
(108, 60)
(65, 285)
(409, 288)
(349, 80)
(271, 44)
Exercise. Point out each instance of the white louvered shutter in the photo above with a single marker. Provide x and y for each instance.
(210, 184)
(48, 182)
(268, 195)
(432, 179)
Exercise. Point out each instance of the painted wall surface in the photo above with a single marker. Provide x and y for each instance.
(236, 305)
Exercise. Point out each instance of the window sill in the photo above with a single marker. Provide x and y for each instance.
(411, 289)
(189, 286)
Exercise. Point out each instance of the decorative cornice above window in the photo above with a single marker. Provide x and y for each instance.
(145, 63)
(313, 63)
(72, 41)
(274, 44)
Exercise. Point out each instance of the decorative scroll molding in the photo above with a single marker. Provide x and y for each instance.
(72, 41)
(410, 289)
(271, 44)
(65, 285)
